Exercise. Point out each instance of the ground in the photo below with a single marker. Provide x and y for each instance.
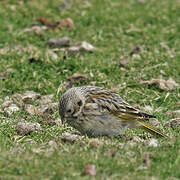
(135, 41)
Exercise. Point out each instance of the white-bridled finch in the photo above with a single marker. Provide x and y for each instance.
(98, 111)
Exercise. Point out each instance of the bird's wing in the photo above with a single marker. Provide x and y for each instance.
(115, 104)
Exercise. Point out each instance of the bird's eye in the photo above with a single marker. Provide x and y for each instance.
(79, 103)
(69, 111)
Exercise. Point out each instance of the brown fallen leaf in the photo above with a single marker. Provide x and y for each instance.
(78, 78)
(66, 23)
(45, 21)
(90, 170)
(167, 85)
(174, 123)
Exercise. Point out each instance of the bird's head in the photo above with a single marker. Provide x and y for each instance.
(71, 104)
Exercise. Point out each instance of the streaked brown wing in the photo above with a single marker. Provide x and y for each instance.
(116, 105)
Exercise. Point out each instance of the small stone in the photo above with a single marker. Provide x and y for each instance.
(162, 72)
(7, 103)
(32, 110)
(71, 138)
(136, 56)
(17, 99)
(30, 96)
(153, 143)
(11, 109)
(174, 123)
(74, 50)
(53, 144)
(36, 29)
(47, 108)
(173, 114)
(46, 99)
(51, 55)
(58, 122)
(59, 43)
(85, 46)
(123, 62)
(166, 85)
(25, 128)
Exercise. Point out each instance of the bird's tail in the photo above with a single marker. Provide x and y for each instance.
(148, 127)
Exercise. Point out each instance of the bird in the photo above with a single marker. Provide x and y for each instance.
(97, 111)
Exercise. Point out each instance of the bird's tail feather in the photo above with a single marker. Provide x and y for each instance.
(148, 127)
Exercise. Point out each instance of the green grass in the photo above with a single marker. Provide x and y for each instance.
(115, 28)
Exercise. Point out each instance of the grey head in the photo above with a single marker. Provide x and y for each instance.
(71, 103)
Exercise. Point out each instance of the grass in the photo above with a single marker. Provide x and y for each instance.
(116, 28)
